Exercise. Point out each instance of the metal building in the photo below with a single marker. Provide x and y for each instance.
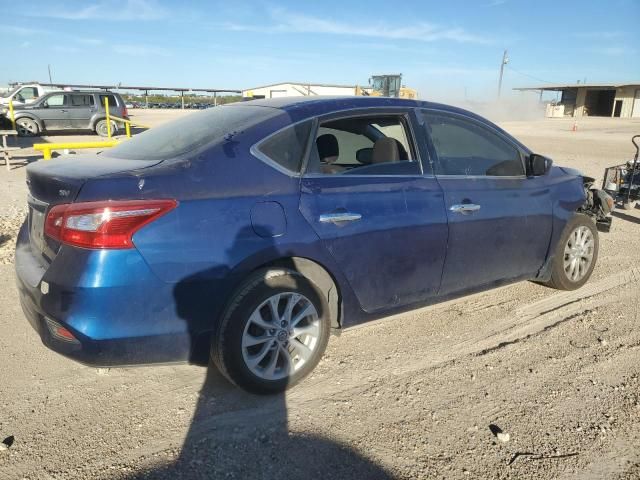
(301, 89)
(593, 100)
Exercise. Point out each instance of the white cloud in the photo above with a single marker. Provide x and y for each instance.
(284, 21)
(107, 11)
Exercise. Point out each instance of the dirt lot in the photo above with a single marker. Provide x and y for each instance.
(420, 395)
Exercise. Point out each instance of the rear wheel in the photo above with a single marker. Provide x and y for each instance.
(27, 127)
(101, 128)
(274, 332)
(575, 255)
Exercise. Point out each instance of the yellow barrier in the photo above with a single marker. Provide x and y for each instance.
(46, 148)
(128, 124)
(12, 115)
(106, 109)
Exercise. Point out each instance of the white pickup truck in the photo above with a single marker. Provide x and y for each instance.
(24, 94)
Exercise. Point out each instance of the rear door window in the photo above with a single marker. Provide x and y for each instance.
(81, 100)
(365, 145)
(55, 101)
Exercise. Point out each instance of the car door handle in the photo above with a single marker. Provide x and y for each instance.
(64, 111)
(339, 217)
(465, 208)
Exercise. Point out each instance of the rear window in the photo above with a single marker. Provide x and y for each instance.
(286, 148)
(190, 132)
(112, 100)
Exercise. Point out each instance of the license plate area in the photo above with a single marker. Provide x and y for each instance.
(37, 212)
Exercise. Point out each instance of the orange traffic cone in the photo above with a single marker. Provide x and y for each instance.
(575, 126)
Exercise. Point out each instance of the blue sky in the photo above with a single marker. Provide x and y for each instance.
(443, 48)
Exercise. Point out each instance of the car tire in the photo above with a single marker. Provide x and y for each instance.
(265, 367)
(27, 127)
(575, 255)
(101, 128)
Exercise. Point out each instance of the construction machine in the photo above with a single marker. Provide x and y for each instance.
(387, 86)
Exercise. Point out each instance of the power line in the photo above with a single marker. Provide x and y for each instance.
(529, 76)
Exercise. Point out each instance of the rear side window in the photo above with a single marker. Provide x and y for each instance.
(287, 147)
(112, 100)
(466, 148)
(81, 100)
(191, 132)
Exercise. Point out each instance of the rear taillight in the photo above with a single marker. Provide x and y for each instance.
(125, 112)
(109, 224)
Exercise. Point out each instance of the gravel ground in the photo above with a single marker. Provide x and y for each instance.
(520, 382)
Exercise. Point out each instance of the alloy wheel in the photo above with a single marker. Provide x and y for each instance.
(578, 253)
(281, 335)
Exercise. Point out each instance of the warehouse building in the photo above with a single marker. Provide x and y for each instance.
(593, 100)
(299, 89)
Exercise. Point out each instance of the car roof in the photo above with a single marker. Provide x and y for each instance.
(303, 107)
(85, 92)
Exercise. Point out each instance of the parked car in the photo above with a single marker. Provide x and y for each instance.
(258, 227)
(70, 110)
(23, 94)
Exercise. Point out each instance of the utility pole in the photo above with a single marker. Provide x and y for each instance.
(49, 68)
(505, 60)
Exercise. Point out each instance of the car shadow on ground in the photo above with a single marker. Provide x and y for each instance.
(624, 216)
(234, 434)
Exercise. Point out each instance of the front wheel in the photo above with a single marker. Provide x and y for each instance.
(27, 127)
(575, 255)
(274, 332)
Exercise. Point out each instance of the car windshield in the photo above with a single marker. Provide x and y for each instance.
(190, 132)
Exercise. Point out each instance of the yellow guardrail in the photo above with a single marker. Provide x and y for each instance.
(127, 123)
(47, 148)
(12, 115)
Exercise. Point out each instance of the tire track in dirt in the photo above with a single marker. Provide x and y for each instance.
(527, 322)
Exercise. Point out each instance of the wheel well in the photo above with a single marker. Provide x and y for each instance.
(320, 276)
(38, 122)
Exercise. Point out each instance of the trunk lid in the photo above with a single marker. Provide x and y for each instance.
(60, 180)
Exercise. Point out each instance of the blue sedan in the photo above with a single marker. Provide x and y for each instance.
(253, 230)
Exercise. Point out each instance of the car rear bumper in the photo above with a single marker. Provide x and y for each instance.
(118, 318)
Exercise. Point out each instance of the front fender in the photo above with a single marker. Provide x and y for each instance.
(20, 115)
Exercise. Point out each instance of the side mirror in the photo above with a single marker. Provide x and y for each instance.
(538, 165)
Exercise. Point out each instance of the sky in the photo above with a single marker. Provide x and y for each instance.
(444, 49)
